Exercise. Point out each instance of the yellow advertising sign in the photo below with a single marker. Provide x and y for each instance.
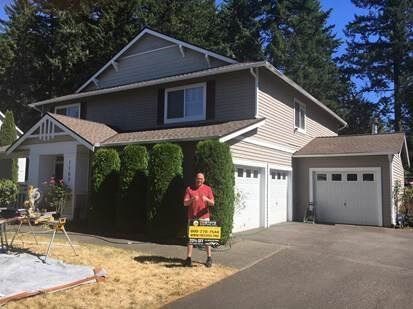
(204, 232)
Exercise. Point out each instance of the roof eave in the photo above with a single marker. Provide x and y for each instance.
(342, 154)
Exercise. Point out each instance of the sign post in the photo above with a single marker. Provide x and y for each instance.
(202, 232)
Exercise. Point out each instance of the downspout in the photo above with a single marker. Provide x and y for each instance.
(256, 77)
(392, 210)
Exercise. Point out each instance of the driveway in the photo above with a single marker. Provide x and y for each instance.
(318, 266)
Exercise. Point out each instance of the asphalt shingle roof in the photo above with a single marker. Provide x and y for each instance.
(92, 132)
(390, 143)
(181, 134)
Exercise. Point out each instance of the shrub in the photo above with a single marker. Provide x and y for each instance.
(105, 174)
(214, 160)
(165, 189)
(132, 185)
(8, 192)
(57, 194)
(8, 134)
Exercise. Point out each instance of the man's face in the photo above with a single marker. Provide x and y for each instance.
(199, 180)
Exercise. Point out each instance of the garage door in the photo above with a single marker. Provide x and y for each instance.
(247, 214)
(277, 196)
(350, 196)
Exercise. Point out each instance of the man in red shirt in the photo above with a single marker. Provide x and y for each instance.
(198, 199)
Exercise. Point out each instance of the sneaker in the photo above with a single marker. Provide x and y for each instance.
(188, 262)
(208, 262)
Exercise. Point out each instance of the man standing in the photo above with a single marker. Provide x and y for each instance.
(198, 199)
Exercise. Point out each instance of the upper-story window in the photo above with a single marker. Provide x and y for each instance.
(186, 103)
(72, 110)
(299, 118)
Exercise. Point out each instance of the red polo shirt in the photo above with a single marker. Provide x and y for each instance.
(198, 209)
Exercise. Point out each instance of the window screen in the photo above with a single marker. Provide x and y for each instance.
(321, 177)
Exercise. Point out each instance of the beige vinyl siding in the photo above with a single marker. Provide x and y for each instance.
(276, 104)
(247, 151)
(153, 64)
(398, 170)
(301, 168)
(137, 109)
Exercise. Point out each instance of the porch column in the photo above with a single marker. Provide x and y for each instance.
(69, 176)
(34, 162)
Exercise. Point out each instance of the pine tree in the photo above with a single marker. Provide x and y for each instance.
(380, 47)
(239, 27)
(301, 44)
(8, 135)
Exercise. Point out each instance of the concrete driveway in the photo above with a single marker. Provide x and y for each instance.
(319, 266)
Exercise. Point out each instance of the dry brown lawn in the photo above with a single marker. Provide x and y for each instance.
(134, 280)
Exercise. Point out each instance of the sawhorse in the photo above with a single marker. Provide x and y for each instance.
(58, 226)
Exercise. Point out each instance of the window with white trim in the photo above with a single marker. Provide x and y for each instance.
(299, 116)
(72, 110)
(186, 103)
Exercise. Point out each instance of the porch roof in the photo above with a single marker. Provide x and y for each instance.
(222, 131)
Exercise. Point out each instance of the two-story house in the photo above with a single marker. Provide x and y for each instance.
(283, 141)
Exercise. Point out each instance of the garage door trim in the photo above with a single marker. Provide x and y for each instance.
(377, 170)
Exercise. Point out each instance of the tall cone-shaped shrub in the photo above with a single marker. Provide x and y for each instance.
(165, 190)
(105, 179)
(132, 185)
(215, 161)
(8, 134)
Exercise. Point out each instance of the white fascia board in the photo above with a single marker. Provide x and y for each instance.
(271, 68)
(159, 35)
(54, 122)
(164, 80)
(232, 135)
(343, 155)
(406, 149)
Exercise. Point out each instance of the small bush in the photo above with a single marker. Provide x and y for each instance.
(8, 134)
(132, 183)
(8, 192)
(215, 161)
(165, 190)
(104, 195)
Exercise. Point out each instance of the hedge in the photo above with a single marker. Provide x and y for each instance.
(105, 177)
(8, 134)
(215, 161)
(165, 190)
(8, 192)
(132, 185)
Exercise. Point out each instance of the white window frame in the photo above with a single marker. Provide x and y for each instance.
(303, 107)
(185, 119)
(66, 106)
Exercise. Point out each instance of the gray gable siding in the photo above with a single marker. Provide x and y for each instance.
(137, 109)
(134, 67)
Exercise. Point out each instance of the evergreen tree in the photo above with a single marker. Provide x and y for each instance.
(301, 44)
(379, 51)
(8, 135)
(239, 27)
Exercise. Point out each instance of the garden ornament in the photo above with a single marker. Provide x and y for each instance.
(33, 195)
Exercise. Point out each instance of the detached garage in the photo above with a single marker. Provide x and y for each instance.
(349, 179)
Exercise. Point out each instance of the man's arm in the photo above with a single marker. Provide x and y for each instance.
(188, 199)
(209, 199)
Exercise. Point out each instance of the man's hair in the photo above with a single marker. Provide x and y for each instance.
(200, 173)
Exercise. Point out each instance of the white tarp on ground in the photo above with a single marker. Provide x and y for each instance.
(26, 273)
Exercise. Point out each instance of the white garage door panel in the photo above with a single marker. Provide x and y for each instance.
(248, 187)
(278, 196)
(352, 200)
